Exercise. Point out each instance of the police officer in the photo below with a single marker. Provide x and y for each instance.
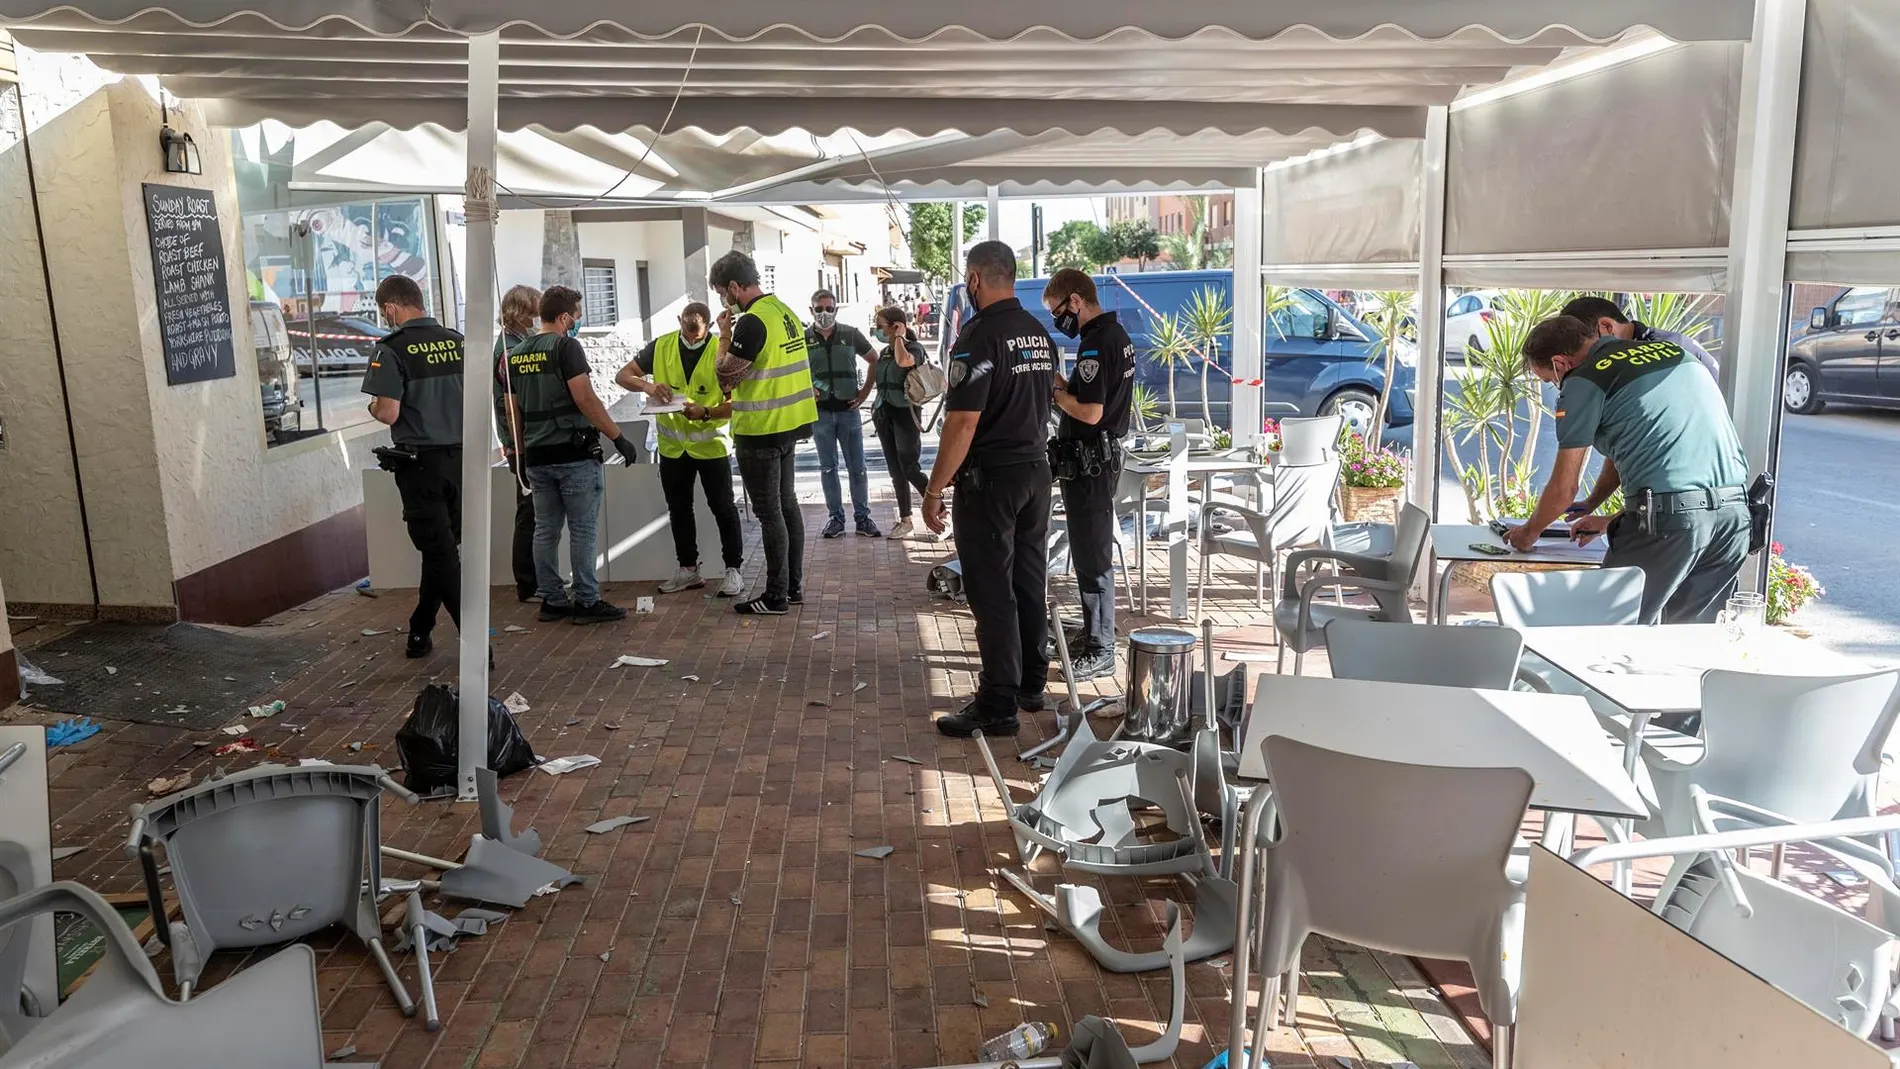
(994, 446)
(695, 444)
(415, 386)
(836, 350)
(1608, 318)
(1095, 403)
(558, 419)
(1667, 442)
(762, 360)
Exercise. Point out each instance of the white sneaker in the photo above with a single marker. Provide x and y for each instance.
(684, 579)
(903, 528)
(734, 584)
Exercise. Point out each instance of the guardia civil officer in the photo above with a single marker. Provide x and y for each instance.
(415, 386)
(1095, 403)
(695, 444)
(762, 360)
(835, 350)
(994, 446)
(1609, 318)
(1667, 442)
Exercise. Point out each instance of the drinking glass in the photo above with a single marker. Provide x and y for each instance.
(1744, 616)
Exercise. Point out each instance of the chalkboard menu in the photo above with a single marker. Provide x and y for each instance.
(194, 295)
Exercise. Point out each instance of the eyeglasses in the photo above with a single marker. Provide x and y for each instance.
(824, 308)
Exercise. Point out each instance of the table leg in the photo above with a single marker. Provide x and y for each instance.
(1560, 831)
(1141, 540)
(1441, 595)
(1247, 857)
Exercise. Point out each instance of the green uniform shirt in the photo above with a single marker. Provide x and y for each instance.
(420, 366)
(1655, 413)
(891, 378)
(834, 364)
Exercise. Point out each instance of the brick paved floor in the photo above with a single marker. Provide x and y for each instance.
(736, 927)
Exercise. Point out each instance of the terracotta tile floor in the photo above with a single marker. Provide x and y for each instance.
(737, 926)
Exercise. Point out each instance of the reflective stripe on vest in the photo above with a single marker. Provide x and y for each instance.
(775, 395)
(547, 410)
(699, 439)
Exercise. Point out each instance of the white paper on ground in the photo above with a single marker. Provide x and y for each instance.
(515, 703)
(568, 764)
(630, 661)
(643, 605)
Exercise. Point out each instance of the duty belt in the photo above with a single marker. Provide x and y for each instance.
(1697, 500)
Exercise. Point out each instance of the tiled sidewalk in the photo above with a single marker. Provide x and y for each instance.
(737, 927)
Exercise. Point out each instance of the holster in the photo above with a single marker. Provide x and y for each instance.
(1761, 510)
(1643, 512)
(1083, 458)
(395, 458)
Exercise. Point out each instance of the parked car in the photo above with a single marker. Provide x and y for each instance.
(1465, 318)
(1319, 357)
(344, 342)
(276, 377)
(1850, 353)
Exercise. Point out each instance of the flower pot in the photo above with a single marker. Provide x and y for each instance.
(1370, 504)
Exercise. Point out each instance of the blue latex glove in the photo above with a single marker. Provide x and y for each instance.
(71, 730)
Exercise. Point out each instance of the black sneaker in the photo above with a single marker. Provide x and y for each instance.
(596, 612)
(761, 606)
(552, 611)
(525, 594)
(1092, 666)
(795, 597)
(1031, 703)
(971, 719)
(833, 529)
(1051, 653)
(869, 529)
(419, 645)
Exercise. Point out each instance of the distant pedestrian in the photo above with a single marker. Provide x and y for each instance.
(899, 428)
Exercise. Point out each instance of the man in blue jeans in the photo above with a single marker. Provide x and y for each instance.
(558, 420)
(835, 351)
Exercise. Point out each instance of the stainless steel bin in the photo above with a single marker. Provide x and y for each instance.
(1160, 681)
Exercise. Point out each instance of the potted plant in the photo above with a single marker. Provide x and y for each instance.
(1371, 483)
(1790, 586)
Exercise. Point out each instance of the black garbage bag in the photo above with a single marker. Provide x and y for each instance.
(427, 741)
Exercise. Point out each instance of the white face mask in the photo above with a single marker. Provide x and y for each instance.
(824, 320)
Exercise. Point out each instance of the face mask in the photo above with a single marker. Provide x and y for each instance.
(824, 320)
(574, 329)
(1068, 323)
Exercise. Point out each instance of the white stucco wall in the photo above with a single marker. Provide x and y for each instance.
(36, 467)
(184, 477)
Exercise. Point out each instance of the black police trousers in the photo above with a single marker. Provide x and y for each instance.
(1090, 504)
(677, 475)
(1002, 523)
(431, 490)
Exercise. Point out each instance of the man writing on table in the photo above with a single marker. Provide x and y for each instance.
(1667, 442)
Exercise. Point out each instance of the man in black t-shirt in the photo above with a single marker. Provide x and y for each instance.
(994, 446)
(1095, 403)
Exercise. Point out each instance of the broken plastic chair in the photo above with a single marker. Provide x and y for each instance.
(500, 866)
(1164, 1045)
(120, 1015)
(498, 817)
(1078, 909)
(19, 1008)
(266, 856)
(1065, 722)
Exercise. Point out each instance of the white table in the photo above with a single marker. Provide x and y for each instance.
(1554, 737)
(1451, 546)
(1658, 669)
(1179, 466)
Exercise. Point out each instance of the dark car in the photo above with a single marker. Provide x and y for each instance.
(1850, 353)
(1319, 358)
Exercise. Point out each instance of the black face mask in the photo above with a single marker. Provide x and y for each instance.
(1069, 323)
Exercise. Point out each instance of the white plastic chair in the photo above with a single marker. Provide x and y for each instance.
(1409, 859)
(1309, 440)
(1585, 597)
(1297, 510)
(1301, 622)
(1433, 655)
(1800, 748)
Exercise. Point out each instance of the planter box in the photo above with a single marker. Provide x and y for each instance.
(1370, 504)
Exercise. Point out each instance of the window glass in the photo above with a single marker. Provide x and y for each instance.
(1305, 318)
(1861, 305)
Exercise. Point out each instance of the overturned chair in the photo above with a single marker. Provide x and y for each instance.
(121, 1017)
(266, 856)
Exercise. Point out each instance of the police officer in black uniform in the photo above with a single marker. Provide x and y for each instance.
(994, 446)
(1095, 403)
(415, 385)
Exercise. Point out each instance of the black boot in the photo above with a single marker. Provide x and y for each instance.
(973, 718)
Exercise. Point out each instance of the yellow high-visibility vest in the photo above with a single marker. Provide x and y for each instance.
(776, 394)
(701, 439)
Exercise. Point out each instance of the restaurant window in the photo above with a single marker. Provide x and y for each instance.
(600, 293)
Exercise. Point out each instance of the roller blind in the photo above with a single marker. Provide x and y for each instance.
(1348, 219)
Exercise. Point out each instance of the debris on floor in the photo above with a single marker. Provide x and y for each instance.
(689, 679)
(372, 632)
(234, 729)
(906, 758)
(167, 784)
(979, 1000)
(515, 629)
(601, 827)
(367, 591)
(268, 709)
(71, 730)
(859, 687)
(630, 661)
(341, 1053)
(877, 853)
(643, 605)
(30, 674)
(821, 635)
(61, 853)
(515, 703)
(356, 747)
(111, 671)
(561, 765)
(243, 745)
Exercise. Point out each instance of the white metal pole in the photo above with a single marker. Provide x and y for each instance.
(1427, 397)
(484, 70)
(956, 243)
(994, 221)
(1249, 360)
(1758, 228)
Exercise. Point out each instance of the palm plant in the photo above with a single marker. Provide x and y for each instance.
(1681, 313)
(1187, 250)
(1275, 300)
(1168, 346)
(1494, 395)
(1388, 312)
(1147, 409)
(1205, 320)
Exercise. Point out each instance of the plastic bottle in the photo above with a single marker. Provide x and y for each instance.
(1022, 1041)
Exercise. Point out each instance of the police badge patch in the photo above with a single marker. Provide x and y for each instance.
(1088, 369)
(958, 370)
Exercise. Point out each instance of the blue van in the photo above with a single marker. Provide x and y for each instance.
(1320, 358)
